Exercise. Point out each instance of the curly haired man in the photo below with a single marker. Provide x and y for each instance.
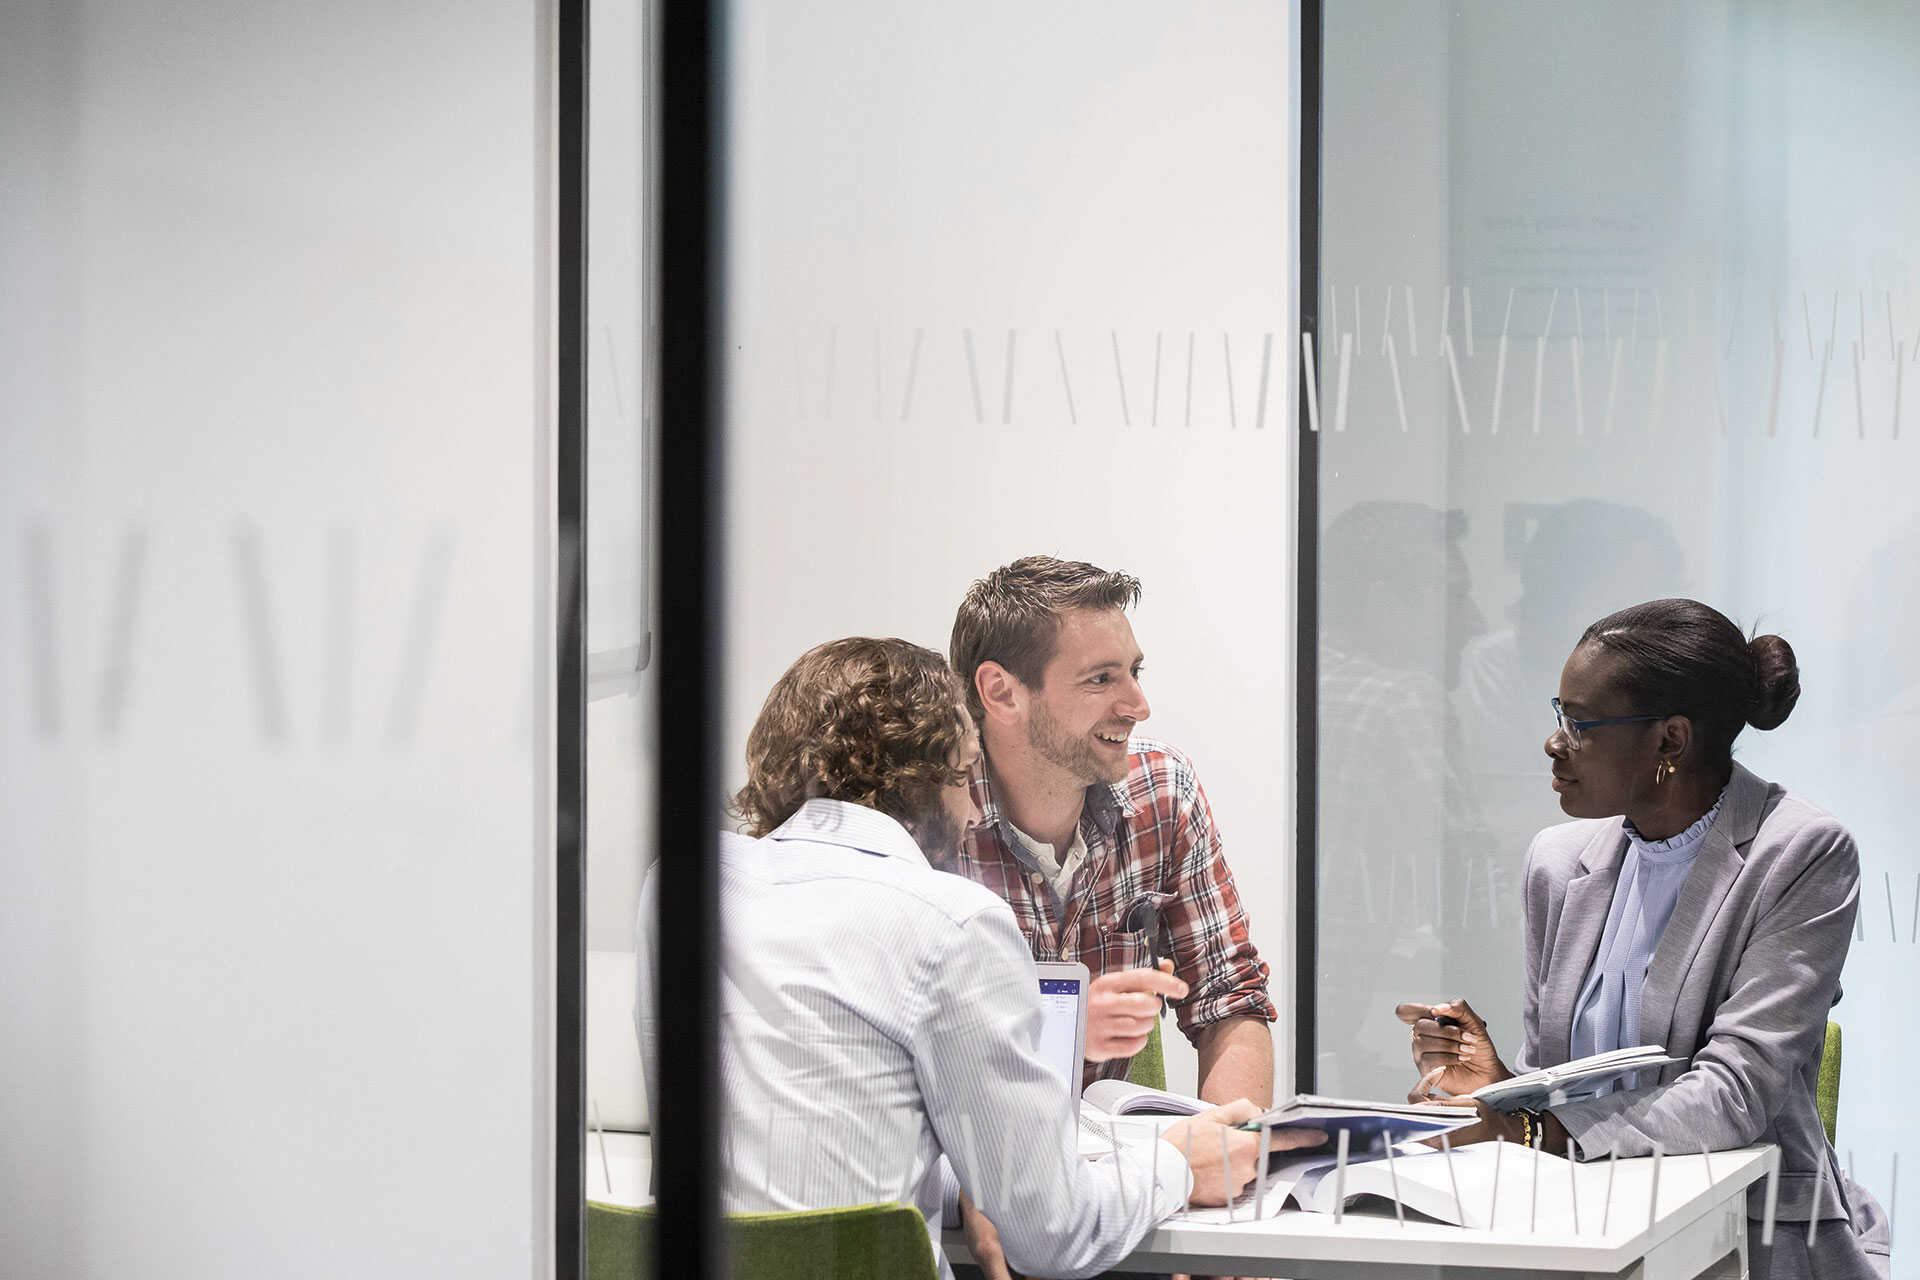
(879, 1015)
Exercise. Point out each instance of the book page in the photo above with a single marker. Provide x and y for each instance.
(1283, 1183)
(1120, 1097)
(1534, 1190)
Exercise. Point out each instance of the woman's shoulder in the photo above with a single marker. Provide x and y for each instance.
(1790, 820)
(1560, 846)
(1787, 841)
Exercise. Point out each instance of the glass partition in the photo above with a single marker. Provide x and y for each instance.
(1008, 280)
(1616, 303)
(622, 626)
(276, 640)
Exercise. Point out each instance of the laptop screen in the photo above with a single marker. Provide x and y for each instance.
(1060, 1028)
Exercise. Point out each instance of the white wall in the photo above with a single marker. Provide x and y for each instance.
(1096, 170)
(274, 504)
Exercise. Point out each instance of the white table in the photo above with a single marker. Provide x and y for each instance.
(626, 1174)
(1699, 1228)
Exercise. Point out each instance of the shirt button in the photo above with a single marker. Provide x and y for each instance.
(1067, 955)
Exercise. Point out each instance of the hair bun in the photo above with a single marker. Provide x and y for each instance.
(1778, 685)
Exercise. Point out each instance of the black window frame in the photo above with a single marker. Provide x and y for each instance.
(1306, 977)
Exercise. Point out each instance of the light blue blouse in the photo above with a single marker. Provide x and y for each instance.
(1607, 1015)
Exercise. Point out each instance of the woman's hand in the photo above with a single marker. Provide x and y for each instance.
(1494, 1125)
(1451, 1048)
(1491, 1124)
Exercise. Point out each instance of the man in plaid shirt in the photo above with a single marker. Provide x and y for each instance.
(1100, 840)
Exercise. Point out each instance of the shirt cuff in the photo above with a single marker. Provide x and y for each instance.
(1247, 999)
(1161, 1162)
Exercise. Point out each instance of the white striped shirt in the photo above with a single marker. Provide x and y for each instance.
(877, 1014)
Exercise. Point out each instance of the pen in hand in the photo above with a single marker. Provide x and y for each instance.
(1142, 918)
(1119, 1021)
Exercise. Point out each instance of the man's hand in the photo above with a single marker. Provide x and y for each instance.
(983, 1242)
(1451, 1047)
(1222, 1170)
(1123, 1007)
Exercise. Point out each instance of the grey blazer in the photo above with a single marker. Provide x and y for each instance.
(1740, 984)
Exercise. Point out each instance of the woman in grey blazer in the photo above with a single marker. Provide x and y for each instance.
(1691, 905)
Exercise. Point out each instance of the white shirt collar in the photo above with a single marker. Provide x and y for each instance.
(851, 826)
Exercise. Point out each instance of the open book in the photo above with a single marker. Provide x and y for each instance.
(1368, 1124)
(1549, 1085)
(1124, 1098)
(1488, 1185)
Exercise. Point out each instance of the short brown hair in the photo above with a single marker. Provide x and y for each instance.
(1012, 616)
(871, 722)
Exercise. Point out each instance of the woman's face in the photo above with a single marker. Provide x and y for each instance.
(1612, 770)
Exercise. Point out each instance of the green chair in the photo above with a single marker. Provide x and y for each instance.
(859, 1242)
(1827, 1089)
(1149, 1066)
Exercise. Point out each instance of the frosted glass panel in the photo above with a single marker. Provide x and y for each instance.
(274, 640)
(1631, 306)
(1003, 280)
(622, 475)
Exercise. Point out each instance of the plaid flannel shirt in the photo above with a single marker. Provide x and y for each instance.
(1150, 836)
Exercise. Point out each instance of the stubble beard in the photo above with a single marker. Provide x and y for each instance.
(1069, 752)
(938, 836)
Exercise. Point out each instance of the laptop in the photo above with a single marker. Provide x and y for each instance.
(1063, 1023)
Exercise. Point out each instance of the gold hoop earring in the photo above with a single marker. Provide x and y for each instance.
(1663, 771)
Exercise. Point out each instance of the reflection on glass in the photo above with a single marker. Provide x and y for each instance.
(1684, 232)
(1400, 839)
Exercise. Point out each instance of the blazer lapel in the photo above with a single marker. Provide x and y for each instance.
(1715, 869)
(1583, 918)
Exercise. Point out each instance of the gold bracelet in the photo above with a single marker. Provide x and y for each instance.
(1526, 1128)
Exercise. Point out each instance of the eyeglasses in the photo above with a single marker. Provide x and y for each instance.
(1571, 729)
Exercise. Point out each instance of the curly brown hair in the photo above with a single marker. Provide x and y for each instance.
(871, 722)
(1012, 616)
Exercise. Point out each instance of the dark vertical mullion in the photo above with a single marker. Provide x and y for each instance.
(1306, 778)
(690, 77)
(570, 651)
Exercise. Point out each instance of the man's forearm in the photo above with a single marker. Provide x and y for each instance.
(1236, 1061)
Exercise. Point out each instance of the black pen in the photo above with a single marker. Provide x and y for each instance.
(1142, 917)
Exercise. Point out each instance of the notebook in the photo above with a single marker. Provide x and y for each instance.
(1553, 1085)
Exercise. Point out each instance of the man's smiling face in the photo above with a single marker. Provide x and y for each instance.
(1089, 697)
